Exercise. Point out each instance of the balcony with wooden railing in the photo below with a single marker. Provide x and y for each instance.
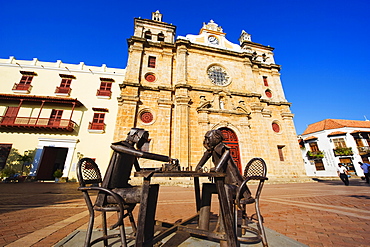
(96, 126)
(22, 87)
(37, 123)
(363, 150)
(106, 93)
(63, 90)
(315, 155)
(343, 151)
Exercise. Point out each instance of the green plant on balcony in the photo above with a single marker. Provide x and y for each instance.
(343, 151)
(315, 155)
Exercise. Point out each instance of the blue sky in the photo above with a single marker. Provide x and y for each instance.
(322, 45)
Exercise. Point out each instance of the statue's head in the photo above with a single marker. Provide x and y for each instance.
(212, 138)
(137, 136)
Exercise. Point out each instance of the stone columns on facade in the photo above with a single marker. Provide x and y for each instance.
(126, 117)
(181, 65)
(164, 121)
(181, 140)
(259, 128)
(295, 152)
(134, 62)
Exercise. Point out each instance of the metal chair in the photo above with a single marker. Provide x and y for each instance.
(255, 170)
(90, 179)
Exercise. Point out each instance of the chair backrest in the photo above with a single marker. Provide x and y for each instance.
(88, 172)
(255, 167)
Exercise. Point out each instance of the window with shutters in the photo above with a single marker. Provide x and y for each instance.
(281, 153)
(151, 62)
(265, 82)
(314, 147)
(339, 143)
(55, 117)
(97, 122)
(25, 82)
(105, 89)
(65, 86)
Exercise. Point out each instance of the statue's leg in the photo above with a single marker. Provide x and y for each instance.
(205, 209)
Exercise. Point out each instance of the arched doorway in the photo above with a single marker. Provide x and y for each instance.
(232, 141)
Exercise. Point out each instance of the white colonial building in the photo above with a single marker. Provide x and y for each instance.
(326, 143)
(64, 111)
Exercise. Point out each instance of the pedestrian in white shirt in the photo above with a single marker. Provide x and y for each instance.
(343, 174)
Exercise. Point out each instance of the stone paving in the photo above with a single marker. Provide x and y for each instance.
(322, 213)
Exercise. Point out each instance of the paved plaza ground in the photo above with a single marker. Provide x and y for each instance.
(320, 213)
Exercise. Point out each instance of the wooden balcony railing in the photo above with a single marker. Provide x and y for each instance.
(315, 155)
(63, 90)
(22, 87)
(104, 93)
(96, 126)
(37, 123)
(342, 151)
(363, 150)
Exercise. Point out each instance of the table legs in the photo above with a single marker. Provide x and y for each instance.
(146, 217)
(226, 213)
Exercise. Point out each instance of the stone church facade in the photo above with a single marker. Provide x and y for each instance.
(179, 88)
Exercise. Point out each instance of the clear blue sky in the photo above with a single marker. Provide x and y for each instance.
(322, 45)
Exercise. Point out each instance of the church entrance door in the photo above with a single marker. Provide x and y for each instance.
(232, 141)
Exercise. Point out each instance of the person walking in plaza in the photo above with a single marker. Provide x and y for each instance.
(343, 174)
(366, 168)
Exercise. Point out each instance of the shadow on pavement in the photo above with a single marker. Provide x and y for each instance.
(18, 196)
(352, 181)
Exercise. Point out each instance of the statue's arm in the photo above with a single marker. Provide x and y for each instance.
(140, 154)
(203, 160)
(223, 161)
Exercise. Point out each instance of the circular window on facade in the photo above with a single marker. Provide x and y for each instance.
(268, 93)
(150, 77)
(146, 117)
(218, 76)
(276, 127)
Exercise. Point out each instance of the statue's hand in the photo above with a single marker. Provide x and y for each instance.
(175, 162)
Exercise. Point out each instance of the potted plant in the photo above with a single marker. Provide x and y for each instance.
(57, 175)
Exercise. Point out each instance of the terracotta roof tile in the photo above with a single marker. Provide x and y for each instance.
(327, 124)
(335, 133)
(310, 138)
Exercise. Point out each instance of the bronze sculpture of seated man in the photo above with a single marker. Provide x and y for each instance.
(124, 157)
(221, 158)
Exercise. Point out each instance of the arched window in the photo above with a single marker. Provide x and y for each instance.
(148, 35)
(160, 37)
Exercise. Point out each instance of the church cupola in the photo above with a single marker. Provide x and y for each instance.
(156, 16)
(155, 30)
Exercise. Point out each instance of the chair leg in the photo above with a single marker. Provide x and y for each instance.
(104, 226)
(122, 234)
(260, 224)
(244, 218)
(132, 221)
(89, 229)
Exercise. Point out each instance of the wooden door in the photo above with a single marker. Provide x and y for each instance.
(52, 158)
(349, 165)
(55, 117)
(232, 141)
(4, 153)
(10, 115)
